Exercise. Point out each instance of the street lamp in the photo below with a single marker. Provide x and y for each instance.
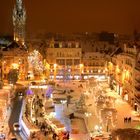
(109, 115)
(81, 70)
(63, 103)
(55, 65)
(87, 114)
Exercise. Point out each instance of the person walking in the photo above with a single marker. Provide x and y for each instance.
(129, 120)
(54, 136)
(125, 119)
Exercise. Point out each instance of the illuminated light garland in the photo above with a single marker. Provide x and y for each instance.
(36, 60)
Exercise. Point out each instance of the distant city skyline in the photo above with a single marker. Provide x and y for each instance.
(74, 16)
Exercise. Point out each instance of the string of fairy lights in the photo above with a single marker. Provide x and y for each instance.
(36, 61)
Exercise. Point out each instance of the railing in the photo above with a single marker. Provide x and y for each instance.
(129, 55)
(137, 68)
(137, 99)
(137, 88)
(137, 80)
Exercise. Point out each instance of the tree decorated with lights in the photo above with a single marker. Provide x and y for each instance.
(80, 103)
(36, 61)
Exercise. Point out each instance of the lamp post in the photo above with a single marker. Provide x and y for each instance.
(63, 103)
(109, 115)
(55, 65)
(81, 71)
(87, 114)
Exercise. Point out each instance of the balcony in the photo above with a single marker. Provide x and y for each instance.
(137, 88)
(137, 99)
(137, 80)
(137, 68)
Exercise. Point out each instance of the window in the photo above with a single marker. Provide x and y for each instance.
(76, 61)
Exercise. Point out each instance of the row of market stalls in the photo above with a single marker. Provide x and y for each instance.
(48, 118)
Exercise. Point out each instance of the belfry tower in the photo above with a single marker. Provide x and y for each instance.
(19, 21)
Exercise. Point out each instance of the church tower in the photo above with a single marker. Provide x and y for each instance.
(19, 21)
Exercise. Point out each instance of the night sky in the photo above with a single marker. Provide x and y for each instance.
(120, 16)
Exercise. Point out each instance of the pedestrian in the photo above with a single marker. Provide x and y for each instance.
(45, 133)
(54, 136)
(129, 119)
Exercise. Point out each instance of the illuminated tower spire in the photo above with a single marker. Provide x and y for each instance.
(19, 20)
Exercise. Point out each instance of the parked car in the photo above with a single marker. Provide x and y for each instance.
(20, 93)
(16, 126)
(2, 136)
